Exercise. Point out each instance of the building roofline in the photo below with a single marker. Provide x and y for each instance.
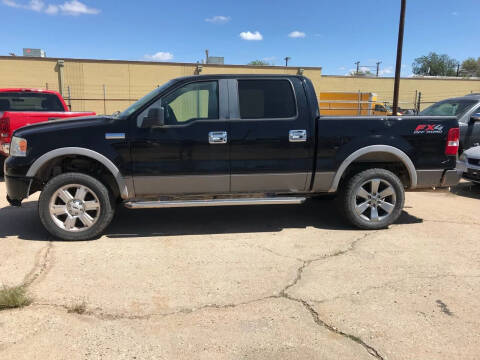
(2, 57)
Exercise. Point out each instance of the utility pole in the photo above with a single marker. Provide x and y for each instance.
(398, 69)
(458, 69)
(358, 67)
(419, 102)
(287, 59)
(378, 67)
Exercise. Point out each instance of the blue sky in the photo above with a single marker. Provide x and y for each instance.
(331, 34)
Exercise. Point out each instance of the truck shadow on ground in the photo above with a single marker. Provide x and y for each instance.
(323, 214)
(467, 189)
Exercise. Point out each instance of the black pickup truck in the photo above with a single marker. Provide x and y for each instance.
(226, 140)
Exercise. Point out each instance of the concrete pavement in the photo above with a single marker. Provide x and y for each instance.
(275, 282)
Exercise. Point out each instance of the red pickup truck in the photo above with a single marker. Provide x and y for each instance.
(21, 107)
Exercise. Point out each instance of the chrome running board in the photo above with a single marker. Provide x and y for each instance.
(214, 202)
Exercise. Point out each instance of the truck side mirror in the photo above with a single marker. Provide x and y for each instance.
(155, 118)
(475, 117)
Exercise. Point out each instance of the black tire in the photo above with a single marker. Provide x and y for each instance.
(103, 216)
(374, 216)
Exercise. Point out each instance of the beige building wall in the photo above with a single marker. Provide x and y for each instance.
(28, 73)
(106, 86)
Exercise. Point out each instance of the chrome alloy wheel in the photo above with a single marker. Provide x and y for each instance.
(74, 208)
(375, 200)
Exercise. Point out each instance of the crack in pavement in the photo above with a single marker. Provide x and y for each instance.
(316, 318)
(99, 314)
(306, 263)
(42, 259)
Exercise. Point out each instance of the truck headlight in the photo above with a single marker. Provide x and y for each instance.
(18, 147)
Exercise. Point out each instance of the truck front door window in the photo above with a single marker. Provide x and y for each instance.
(193, 101)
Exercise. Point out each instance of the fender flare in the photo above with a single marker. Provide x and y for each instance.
(42, 160)
(404, 158)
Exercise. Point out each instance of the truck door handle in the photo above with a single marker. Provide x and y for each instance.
(217, 137)
(297, 135)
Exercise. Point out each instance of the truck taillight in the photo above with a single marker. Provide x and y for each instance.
(4, 127)
(453, 141)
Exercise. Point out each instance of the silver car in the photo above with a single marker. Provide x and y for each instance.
(469, 164)
(467, 110)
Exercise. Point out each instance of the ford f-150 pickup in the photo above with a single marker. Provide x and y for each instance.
(20, 107)
(226, 140)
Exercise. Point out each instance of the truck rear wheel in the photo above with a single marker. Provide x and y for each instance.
(373, 199)
(75, 206)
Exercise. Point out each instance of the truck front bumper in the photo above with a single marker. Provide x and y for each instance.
(18, 188)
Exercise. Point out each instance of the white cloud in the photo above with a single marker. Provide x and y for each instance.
(51, 9)
(219, 19)
(11, 3)
(386, 71)
(35, 5)
(383, 72)
(72, 7)
(75, 7)
(159, 56)
(455, 13)
(297, 34)
(269, 58)
(247, 35)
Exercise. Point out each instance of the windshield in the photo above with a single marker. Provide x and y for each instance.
(137, 105)
(449, 108)
(29, 101)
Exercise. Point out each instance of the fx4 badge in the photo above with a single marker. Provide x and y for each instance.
(429, 129)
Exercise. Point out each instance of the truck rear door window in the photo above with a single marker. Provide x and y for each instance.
(266, 99)
(29, 101)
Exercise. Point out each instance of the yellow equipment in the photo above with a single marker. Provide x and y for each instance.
(351, 103)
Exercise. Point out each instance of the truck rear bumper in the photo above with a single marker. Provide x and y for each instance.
(18, 188)
(437, 178)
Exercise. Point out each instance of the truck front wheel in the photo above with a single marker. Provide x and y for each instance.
(373, 199)
(75, 206)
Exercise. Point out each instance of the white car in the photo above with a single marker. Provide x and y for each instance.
(469, 164)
